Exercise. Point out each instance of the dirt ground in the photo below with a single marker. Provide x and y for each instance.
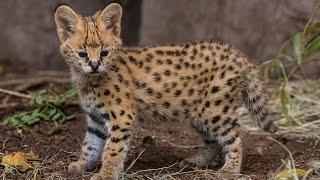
(159, 150)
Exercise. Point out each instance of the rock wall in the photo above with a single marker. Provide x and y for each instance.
(257, 27)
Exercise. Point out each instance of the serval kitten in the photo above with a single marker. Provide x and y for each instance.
(198, 83)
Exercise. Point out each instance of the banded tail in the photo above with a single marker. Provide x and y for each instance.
(256, 104)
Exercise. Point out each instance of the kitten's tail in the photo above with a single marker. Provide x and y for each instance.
(255, 102)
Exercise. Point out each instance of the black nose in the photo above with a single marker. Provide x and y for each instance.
(94, 65)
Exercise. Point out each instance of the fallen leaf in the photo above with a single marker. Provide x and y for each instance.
(289, 174)
(21, 161)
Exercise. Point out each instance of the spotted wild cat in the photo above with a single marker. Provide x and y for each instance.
(198, 83)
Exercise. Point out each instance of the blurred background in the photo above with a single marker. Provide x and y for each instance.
(257, 27)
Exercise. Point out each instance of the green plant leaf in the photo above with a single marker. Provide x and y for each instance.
(312, 47)
(297, 47)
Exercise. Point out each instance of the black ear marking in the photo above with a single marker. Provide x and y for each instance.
(61, 3)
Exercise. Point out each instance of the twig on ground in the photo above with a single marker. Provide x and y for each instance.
(290, 156)
(14, 93)
(34, 81)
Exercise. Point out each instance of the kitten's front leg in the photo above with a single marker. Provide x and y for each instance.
(115, 150)
(96, 136)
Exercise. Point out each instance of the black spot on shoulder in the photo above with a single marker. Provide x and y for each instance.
(115, 127)
(166, 104)
(215, 119)
(218, 102)
(99, 105)
(113, 115)
(215, 89)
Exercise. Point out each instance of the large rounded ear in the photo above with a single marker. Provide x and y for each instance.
(66, 21)
(111, 18)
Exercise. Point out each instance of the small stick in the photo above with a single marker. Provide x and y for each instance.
(14, 93)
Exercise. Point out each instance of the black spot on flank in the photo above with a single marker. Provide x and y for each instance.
(122, 112)
(207, 104)
(177, 66)
(170, 53)
(159, 61)
(175, 113)
(156, 77)
(229, 82)
(215, 89)
(149, 57)
(159, 52)
(207, 58)
(147, 69)
(166, 104)
(225, 109)
(118, 100)
(177, 53)
(116, 87)
(177, 92)
(183, 102)
(149, 91)
(218, 102)
(122, 61)
(186, 64)
(129, 116)
(115, 140)
(191, 91)
(120, 78)
(140, 64)
(230, 68)
(113, 115)
(215, 119)
(183, 52)
(195, 51)
(113, 154)
(121, 149)
(132, 60)
(167, 72)
(169, 61)
(222, 74)
(115, 127)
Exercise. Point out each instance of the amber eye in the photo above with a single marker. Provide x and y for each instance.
(83, 54)
(104, 53)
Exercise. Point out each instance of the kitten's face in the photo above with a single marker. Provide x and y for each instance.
(89, 43)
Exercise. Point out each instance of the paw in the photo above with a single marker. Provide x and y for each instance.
(230, 170)
(196, 163)
(99, 176)
(77, 167)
